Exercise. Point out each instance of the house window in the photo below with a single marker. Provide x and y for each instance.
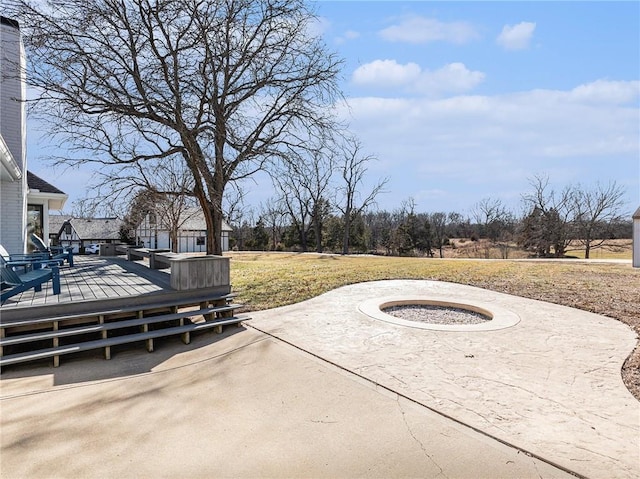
(35, 214)
(200, 240)
(67, 229)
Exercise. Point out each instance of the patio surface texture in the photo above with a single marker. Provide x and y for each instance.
(321, 389)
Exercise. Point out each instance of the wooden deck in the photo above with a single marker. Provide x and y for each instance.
(111, 301)
(94, 278)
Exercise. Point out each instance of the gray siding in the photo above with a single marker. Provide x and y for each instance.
(13, 214)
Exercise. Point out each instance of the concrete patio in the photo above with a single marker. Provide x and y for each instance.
(320, 389)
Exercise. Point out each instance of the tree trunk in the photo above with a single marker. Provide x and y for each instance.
(273, 236)
(317, 227)
(318, 232)
(215, 238)
(347, 231)
(174, 240)
(587, 249)
(213, 220)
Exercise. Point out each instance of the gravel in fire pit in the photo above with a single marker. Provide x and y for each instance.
(426, 313)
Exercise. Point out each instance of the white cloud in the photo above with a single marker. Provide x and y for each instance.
(516, 37)
(425, 30)
(387, 74)
(347, 36)
(604, 91)
(454, 77)
(319, 26)
(470, 147)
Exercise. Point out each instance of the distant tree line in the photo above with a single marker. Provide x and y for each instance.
(551, 224)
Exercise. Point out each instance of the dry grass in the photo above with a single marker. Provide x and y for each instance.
(268, 280)
(465, 248)
(615, 249)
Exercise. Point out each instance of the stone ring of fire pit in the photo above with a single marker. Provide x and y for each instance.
(487, 317)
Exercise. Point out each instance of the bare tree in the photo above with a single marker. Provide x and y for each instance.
(169, 188)
(234, 205)
(222, 85)
(174, 212)
(353, 170)
(243, 225)
(596, 212)
(140, 205)
(549, 224)
(380, 225)
(497, 223)
(314, 176)
(84, 208)
(273, 215)
(438, 228)
(303, 182)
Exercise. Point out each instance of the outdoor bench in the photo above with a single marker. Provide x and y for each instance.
(134, 254)
(160, 259)
(122, 248)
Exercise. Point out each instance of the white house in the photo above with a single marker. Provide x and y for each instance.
(153, 232)
(13, 191)
(78, 233)
(25, 199)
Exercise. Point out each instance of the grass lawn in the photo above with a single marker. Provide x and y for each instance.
(268, 280)
(615, 249)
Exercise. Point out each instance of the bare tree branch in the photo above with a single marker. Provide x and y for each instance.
(223, 86)
(353, 169)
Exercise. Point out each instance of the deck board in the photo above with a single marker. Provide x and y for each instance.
(94, 278)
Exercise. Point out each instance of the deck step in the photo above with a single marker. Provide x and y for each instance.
(108, 342)
(109, 312)
(94, 328)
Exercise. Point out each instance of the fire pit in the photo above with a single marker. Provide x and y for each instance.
(439, 314)
(428, 313)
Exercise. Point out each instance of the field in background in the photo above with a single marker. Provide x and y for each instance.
(268, 280)
(465, 248)
(619, 249)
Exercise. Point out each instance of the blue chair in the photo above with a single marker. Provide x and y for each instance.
(24, 261)
(15, 283)
(59, 254)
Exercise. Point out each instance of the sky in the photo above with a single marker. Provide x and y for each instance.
(463, 101)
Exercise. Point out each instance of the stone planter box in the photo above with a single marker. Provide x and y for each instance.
(199, 272)
(107, 249)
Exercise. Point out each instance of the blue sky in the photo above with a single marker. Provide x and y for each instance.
(462, 101)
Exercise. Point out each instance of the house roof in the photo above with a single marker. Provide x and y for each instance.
(636, 215)
(40, 190)
(195, 221)
(9, 21)
(36, 183)
(10, 170)
(56, 222)
(88, 228)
